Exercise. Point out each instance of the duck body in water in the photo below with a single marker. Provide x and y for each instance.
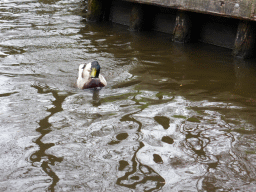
(89, 76)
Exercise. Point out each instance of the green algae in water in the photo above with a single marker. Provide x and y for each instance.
(167, 139)
(179, 116)
(200, 112)
(164, 121)
(112, 114)
(143, 106)
(193, 119)
(250, 152)
(117, 98)
(160, 95)
(126, 84)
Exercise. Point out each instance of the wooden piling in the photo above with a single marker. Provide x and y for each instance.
(245, 40)
(182, 29)
(95, 10)
(136, 18)
(174, 17)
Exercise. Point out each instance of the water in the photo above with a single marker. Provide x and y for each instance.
(172, 118)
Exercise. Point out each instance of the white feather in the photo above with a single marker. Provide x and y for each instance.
(102, 80)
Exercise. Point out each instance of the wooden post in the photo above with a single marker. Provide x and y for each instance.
(95, 10)
(136, 18)
(182, 28)
(245, 39)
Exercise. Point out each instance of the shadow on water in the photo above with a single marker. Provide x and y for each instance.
(44, 129)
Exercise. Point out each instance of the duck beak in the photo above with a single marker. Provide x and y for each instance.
(93, 73)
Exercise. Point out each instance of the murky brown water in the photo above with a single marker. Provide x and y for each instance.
(172, 118)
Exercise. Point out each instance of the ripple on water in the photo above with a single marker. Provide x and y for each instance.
(163, 123)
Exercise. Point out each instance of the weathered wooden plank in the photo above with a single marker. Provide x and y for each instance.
(136, 18)
(245, 40)
(242, 9)
(95, 10)
(182, 29)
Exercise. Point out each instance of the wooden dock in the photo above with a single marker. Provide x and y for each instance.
(225, 23)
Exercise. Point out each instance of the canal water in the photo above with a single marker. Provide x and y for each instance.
(172, 118)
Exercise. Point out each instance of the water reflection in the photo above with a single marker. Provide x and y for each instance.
(96, 97)
(140, 177)
(40, 156)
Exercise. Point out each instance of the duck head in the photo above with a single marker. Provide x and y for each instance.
(91, 70)
(89, 75)
(95, 69)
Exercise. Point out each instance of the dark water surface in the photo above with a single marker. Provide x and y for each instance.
(172, 118)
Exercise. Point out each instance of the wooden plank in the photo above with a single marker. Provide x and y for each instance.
(241, 9)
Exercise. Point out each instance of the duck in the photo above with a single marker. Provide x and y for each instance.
(89, 76)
